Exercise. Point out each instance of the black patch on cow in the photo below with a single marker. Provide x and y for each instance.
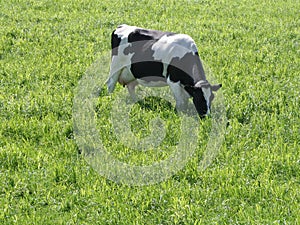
(198, 99)
(146, 69)
(200, 102)
(138, 36)
(115, 42)
(144, 35)
(181, 69)
(142, 60)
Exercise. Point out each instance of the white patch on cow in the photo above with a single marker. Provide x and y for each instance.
(120, 60)
(165, 70)
(124, 30)
(181, 96)
(207, 93)
(152, 83)
(125, 76)
(169, 47)
(119, 71)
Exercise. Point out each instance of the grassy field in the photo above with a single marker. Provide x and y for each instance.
(251, 47)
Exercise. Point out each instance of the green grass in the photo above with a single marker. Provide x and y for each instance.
(251, 47)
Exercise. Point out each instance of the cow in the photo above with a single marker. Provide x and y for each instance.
(156, 58)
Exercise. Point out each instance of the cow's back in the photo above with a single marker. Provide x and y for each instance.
(147, 52)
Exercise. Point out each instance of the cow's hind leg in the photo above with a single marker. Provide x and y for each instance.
(131, 89)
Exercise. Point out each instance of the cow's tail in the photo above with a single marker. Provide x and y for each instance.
(112, 80)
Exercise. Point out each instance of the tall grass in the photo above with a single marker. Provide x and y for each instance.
(251, 47)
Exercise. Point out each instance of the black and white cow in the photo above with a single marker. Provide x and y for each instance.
(155, 58)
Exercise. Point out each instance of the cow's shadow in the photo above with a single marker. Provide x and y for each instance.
(156, 104)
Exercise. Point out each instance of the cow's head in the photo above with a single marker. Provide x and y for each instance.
(202, 94)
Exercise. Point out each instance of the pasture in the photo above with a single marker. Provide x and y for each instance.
(251, 47)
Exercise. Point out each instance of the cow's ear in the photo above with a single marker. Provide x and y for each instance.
(190, 89)
(216, 87)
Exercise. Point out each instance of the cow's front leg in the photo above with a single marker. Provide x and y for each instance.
(181, 96)
(181, 101)
(131, 89)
